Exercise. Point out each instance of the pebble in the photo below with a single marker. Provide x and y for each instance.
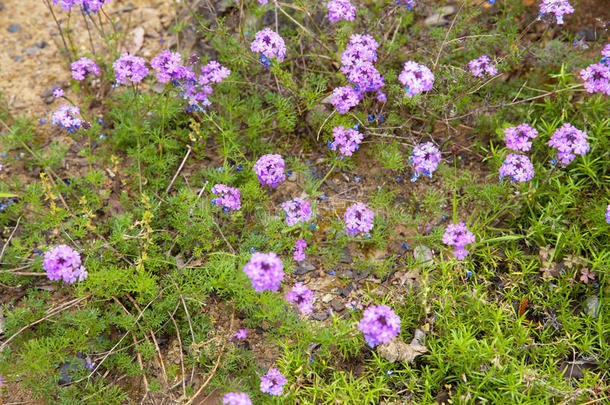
(17, 58)
(592, 306)
(42, 44)
(327, 298)
(588, 35)
(439, 18)
(319, 316)
(423, 255)
(48, 92)
(348, 274)
(14, 28)
(49, 100)
(337, 305)
(304, 267)
(293, 176)
(346, 257)
(32, 50)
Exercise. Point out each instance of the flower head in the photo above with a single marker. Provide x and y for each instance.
(263, 2)
(569, 142)
(273, 382)
(58, 92)
(341, 9)
(130, 68)
(358, 218)
(425, 159)
(265, 271)
(213, 72)
(270, 170)
(366, 77)
(299, 250)
(269, 44)
(347, 140)
(363, 49)
(558, 8)
(168, 65)
(63, 262)
(408, 3)
(241, 334)
(458, 236)
(482, 66)
(68, 117)
(92, 6)
(65, 4)
(226, 197)
(297, 211)
(236, 398)
(608, 214)
(416, 78)
(379, 324)
(344, 98)
(302, 296)
(82, 67)
(518, 138)
(597, 78)
(517, 167)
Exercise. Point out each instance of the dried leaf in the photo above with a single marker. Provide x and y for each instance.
(397, 350)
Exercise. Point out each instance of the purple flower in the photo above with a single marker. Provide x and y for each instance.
(366, 77)
(168, 65)
(130, 68)
(58, 92)
(63, 262)
(92, 5)
(241, 334)
(558, 8)
(263, 2)
(265, 271)
(365, 40)
(569, 142)
(346, 139)
(379, 324)
(358, 218)
(518, 138)
(273, 382)
(227, 197)
(270, 170)
(297, 211)
(458, 236)
(299, 250)
(68, 117)
(213, 72)
(302, 296)
(65, 4)
(344, 98)
(362, 50)
(425, 159)
(482, 66)
(340, 9)
(236, 398)
(597, 78)
(608, 214)
(416, 78)
(408, 3)
(82, 67)
(268, 43)
(606, 51)
(195, 94)
(517, 167)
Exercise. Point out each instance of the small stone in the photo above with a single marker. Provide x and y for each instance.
(362, 274)
(327, 298)
(293, 176)
(32, 50)
(592, 306)
(423, 255)
(337, 305)
(42, 44)
(304, 267)
(48, 92)
(49, 100)
(346, 257)
(588, 35)
(348, 274)
(16, 58)
(14, 28)
(439, 18)
(319, 316)
(345, 291)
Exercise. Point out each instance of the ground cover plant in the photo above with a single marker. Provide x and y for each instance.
(301, 202)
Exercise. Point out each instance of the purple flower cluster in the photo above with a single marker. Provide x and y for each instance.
(88, 5)
(299, 250)
(361, 48)
(597, 78)
(569, 142)
(518, 138)
(226, 197)
(608, 214)
(302, 296)
(408, 3)
(265, 271)
(416, 78)
(130, 68)
(58, 92)
(365, 77)
(63, 262)
(68, 117)
(358, 218)
(344, 98)
(82, 67)
(346, 139)
(236, 398)
(517, 167)
(263, 2)
(425, 160)
(269, 44)
(273, 382)
(168, 65)
(270, 170)
(379, 324)
(213, 72)
(341, 9)
(297, 211)
(558, 8)
(241, 334)
(482, 66)
(458, 236)
(606, 51)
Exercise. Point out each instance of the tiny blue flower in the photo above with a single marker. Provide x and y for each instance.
(367, 235)
(381, 119)
(252, 249)
(323, 197)
(468, 273)
(405, 246)
(239, 168)
(356, 179)
(42, 121)
(371, 117)
(332, 273)
(399, 179)
(102, 137)
(389, 372)
(313, 227)
(100, 121)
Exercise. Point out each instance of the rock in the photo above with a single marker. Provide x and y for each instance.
(42, 44)
(592, 306)
(16, 58)
(49, 100)
(440, 16)
(48, 92)
(14, 28)
(423, 255)
(349, 274)
(293, 176)
(346, 257)
(337, 305)
(588, 35)
(418, 337)
(345, 291)
(304, 267)
(327, 298)
(67, 371)
(362, 274)
(32, 50)
(319, 316)
(397, 350)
